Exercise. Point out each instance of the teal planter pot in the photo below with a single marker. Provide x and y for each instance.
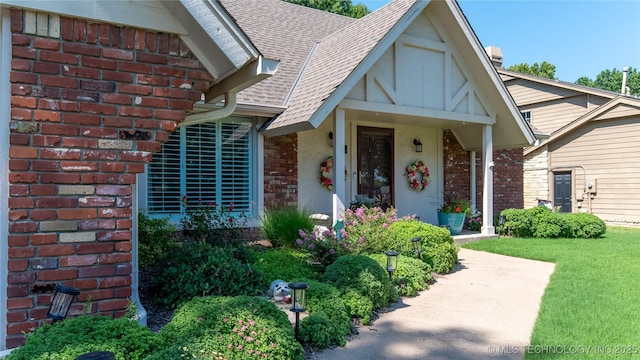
(455, 221)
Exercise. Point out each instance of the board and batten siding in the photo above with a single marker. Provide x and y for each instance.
(608, 152)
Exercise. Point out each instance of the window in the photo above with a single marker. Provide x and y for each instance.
(212, 162)
(526, 116)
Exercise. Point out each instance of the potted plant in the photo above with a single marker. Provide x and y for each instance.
(453, 212)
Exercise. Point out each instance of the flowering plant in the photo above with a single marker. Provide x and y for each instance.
(418, 175)
(207, 221)
(324, 248)
(454, 204)
(325, 173)
(474, 222)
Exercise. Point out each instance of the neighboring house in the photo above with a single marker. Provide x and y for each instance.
(88, 90)
(589, 162)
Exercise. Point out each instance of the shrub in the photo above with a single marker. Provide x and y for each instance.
(281, 225)
(543, 223)
(232, 328)
(585, 225)
(438, 249)
(411, 275)
(517, 222)
(66, 340)
(363, 275)
(199, 269)
(317, 330)
(474, 222)
(211, 222)
(155, 237)
(323, 249)
(366, 229)
(285, 264)
(327, 299)
(359, 306)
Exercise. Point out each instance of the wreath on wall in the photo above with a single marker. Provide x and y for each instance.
(325, 173)
(418, 175)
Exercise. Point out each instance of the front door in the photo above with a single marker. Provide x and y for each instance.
(375, 165)
(562, 191)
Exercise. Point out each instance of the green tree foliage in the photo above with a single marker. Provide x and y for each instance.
(612, 80)
(342, 7)
(544, 69)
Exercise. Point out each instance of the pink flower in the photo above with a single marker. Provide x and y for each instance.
(230, 206)
(299, 242)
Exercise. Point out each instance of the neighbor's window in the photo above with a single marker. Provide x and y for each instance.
(209, 161)
(526, 116)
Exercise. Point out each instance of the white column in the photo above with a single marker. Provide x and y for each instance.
(5, 113)
(487, 181)
(339, 163)
(472, 180)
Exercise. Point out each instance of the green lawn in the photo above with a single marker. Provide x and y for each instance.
(591, 307)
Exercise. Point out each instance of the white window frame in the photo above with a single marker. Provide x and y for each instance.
(526, 115)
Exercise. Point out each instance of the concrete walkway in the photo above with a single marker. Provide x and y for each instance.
(485, 309)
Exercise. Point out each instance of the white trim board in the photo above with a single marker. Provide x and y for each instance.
(5, 113)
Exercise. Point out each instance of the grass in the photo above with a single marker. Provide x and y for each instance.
(591, 307)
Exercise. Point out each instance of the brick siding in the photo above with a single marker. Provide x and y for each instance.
(281, 171)
(507, 174)
(89, 105)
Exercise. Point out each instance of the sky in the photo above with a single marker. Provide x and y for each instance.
(579, 37)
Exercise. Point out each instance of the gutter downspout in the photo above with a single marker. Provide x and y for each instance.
(230, 103)
(5, 108)
(472, 178)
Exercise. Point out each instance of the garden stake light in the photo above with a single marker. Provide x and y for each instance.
(298, 302)
(97, 355)
(417, 246)
(392, 262)
(61, 302)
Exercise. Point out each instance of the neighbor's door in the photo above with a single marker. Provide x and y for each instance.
(562, 191)
(375, 165)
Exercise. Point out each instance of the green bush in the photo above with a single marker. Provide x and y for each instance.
(359, 306)
(517, 223)
(325, 298)
(66, 340)
(411, 275)
(199, 269)
(363, 275)
(156, 236)
(541, 222)
(587, 226)
(285, 264)
(323, 250)
(229, 328)
(211, 222)
(281, 225)
(366, 229)
(317, 330)
(438, 249)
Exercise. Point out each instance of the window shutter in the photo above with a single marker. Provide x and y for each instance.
(235, 165)
(164, 178)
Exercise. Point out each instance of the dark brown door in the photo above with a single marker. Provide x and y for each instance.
(375, 165)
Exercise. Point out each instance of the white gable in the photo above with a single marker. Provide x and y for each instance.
(423, 71)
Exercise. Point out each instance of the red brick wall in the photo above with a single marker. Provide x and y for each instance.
(281, 171)
(507, 174)
(87, 111)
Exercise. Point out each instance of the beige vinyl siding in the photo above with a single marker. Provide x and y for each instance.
(526, 92)
(608, 151)
(558, 113)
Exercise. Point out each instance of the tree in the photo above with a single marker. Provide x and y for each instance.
(612, 80)
(342, 7)
(545, 69)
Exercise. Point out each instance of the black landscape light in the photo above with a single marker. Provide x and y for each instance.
(417, 246)
(298, 302)
(392, 262)
(61, 302)
(97, 355)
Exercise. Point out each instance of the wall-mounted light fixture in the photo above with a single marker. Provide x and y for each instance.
(418, 145)
(331, 138)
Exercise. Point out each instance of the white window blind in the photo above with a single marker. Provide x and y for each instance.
(212, 162)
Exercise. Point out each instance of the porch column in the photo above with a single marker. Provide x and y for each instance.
(472, 182)
(339, 183)
(487, 181)
(5, 115)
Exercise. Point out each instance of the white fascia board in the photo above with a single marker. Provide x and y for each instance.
(151, 15)
(5, 115)
(256, 71)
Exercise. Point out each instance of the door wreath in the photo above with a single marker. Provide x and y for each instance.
(325, 173)
(418, 175)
